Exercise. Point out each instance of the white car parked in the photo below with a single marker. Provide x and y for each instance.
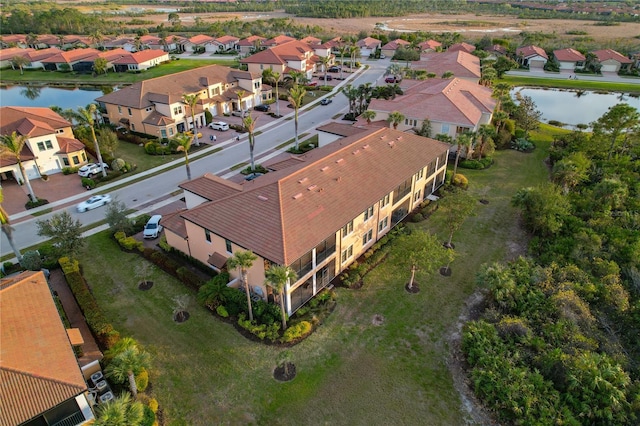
(153, 228)
(93, 202)
(219, 125)
(91, 169)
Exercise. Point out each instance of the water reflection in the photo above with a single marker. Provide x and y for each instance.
(35, 96)
(31, 92)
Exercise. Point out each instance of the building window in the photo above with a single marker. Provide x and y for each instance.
(48, 144)
(129, 111)
(65, 160)
(119, 109)
(416, 197)
(368, 213)
(163, 133)
(444, 129)
(383, 224)
(367, 237)
(410, 122)
(347, 229)
(346, 254)
(41, 146)
(75, 159)
(84, 156)
(228, 245)
(177, 110)
(420, 174)
(207, 235)
(385, 201)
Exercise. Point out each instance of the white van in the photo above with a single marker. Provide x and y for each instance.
(153, 228)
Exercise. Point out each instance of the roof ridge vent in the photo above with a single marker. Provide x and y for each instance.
(356, 152)
(339, 160)
(391, 143)
(312, 187)
(298, 195)
(303, 180)
(366, 146)
(262, 197)
(324, 169)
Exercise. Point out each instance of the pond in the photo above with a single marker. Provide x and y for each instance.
(31, 96)
(573, 107)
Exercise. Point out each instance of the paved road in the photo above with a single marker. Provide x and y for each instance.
(145, 193)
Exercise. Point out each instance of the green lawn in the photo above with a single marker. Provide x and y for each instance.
(565, 83)
(349, 371)
(111, 78)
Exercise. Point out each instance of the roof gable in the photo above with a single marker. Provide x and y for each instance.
(30, 121)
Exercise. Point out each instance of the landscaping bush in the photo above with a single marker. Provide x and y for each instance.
(69, 170)
(149, 417)
(523, 145)
(88, 183)
(142, 380)
(140, 221)
(460, 181)
(189, 278)
(31, 260)
(261, 331)
(33, 204)
(222, 311)
(476, 164)
(296, 331)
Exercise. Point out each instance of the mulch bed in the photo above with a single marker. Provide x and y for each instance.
(445, 271)
(484, 201)
(413, 289)
(145, 285)
(285, 375)
(181, 316)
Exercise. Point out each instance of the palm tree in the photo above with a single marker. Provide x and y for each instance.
(395, 118)
(184, 144)
(395, 70)
(464, 140)
(369, 115)
(243, 260)
(32, 40)
(296, 96)
(19, 62)
(11, 146)
(249, 124)
(297, 76)
(485, 133)
(96, 37)
(273, 76)
(5, 223)
(353, 51)
(126, 365)
(343, 49)
(325, 61)
(352, 94)
(192, 101)
(364, 96)
(120, 411)
(278, 277)
(85, 116)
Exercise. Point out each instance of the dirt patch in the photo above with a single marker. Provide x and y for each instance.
(445, 271)
(181, 316)
(377, 320)
(415, 288)
(285, 372)
(145, 285)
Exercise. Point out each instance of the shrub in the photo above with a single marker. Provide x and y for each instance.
(163, 244)
(33, 204)
(140, 221)
(261, 331)
(69, 170)
(189, 278)
(523, 145)
(476, 164)
(88, 183)
(296, 331)
(153, 404)
(222, 311)
(142, 380)
(460, 181)
(418, 217)
(149, 417)
(31, 260)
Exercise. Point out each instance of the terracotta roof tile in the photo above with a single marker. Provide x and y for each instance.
(609, 54)
(30, 121)
(141, 56)
(568, 55)
(465, 47)
(69, 145)
(529, 51)
(201, 39)
(393, 45)
(460, 63)
(11, 52)
(71, 56)
(369, 43)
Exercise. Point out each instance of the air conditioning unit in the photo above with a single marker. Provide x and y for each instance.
(106, 397)
(96, 377)
(101, 386)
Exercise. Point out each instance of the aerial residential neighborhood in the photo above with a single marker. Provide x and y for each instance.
(313, 215)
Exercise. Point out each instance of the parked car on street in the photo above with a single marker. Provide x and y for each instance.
(326, 101)
(91, 169)
(263, 108)
(93, 202)
(328, 78)
(334, 69)
(391, 79)
(219, 125)
(153, 228)
(239, 113)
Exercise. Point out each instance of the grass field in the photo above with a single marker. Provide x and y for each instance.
(350, 371)
(564, 83)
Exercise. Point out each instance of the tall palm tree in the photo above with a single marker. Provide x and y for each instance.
(343, 49)
(296, 96)
(192, 101)
(464, 140)
(325, 61)
(19, 62)
(353, 52)
(96, 37)
(126, 365)
(85, 116)
(32, 40)
(485, 133)
(352, 94)
(120, 411)
(5, 223)
(11, 146)
(243, 260)
(273, 77)
(297, 77)
(278, 277)
(249, 124)
(395, 118)
(369, 115)
(184, 144)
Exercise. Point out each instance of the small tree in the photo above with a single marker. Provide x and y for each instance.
(31, 260)
(425, 129)
(273, 77)
(369, 115)
(457, 206)
(181, 304)
(249, 124)
(65, 232)
(526, 113)
(395, 118)
(19, 62)
(116, 217)
(463, 141)
(278, 277)
(192, 101)
(11, 146)
(243, 260)
(100, 66)
(108, 140)
(125, 365)
(184, 145)
(120, 411)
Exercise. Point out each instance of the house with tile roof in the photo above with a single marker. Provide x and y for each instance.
(249, 45)
(315, 213)
(569, 59)
(200, 42)
(140, 61)
(453, 106)
(465, 47)
(612, 61)
(86, 65)
(495, 51)
(50, 145)
(283, 58)
(13, 40)
(277, 40)
(430, 46)
(7, 55)
(390, 48)
(368, 46)
(126, 43)
(40, 380)
(531, 56)
(155, 106)
(462, 64)
(64, 61)
(35, 57)
(226, 43)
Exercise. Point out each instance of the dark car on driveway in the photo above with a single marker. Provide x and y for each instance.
(263, 108)
(327, 78)
(334, 69)
(326, 101)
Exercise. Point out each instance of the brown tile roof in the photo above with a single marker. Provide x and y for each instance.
(141, 56)
(211, 187)
(368, 43)
(30, 121)
(201, 39)
(227, 39)
(280, 54)
(340, 129)
(68, 145)
(38, 369)
(568, 55)
(218, 260)
(609, 54)
(175, 223)
(11, 52)
(284, 214)
(393, 45)
(280, 39)
(71, 56)
(429, 45)
(282, 162)
(14, 38)
(529, 51)
(460, 63)
(25, 155)
(498, 49)
(445, 100)
(250, 41)
(38, 55)
(311, 40)
(465, 47)
(170, 88)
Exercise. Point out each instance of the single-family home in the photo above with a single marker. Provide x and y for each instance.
(140, 61)
(390, 48)
(7, 55)
(50, 145)
(64, 61)
(531, 56)
(126, 43)
(156, 107)
(40, 380)
(49, 40)
(226, 43)
(250, 45)
(200, 43)
(495, 51)
(315, 213)
(465, 47)
(462, 64)
(612, 61)
(35, 57)
(368, 46)
(569, 59)
(283, 58)
(277, 40)
(86, 64)
(430, 46)
(453, 106)
(14, 40)
(311, 40)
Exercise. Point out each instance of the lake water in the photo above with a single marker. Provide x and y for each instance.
(574, 107)
(48, 96)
